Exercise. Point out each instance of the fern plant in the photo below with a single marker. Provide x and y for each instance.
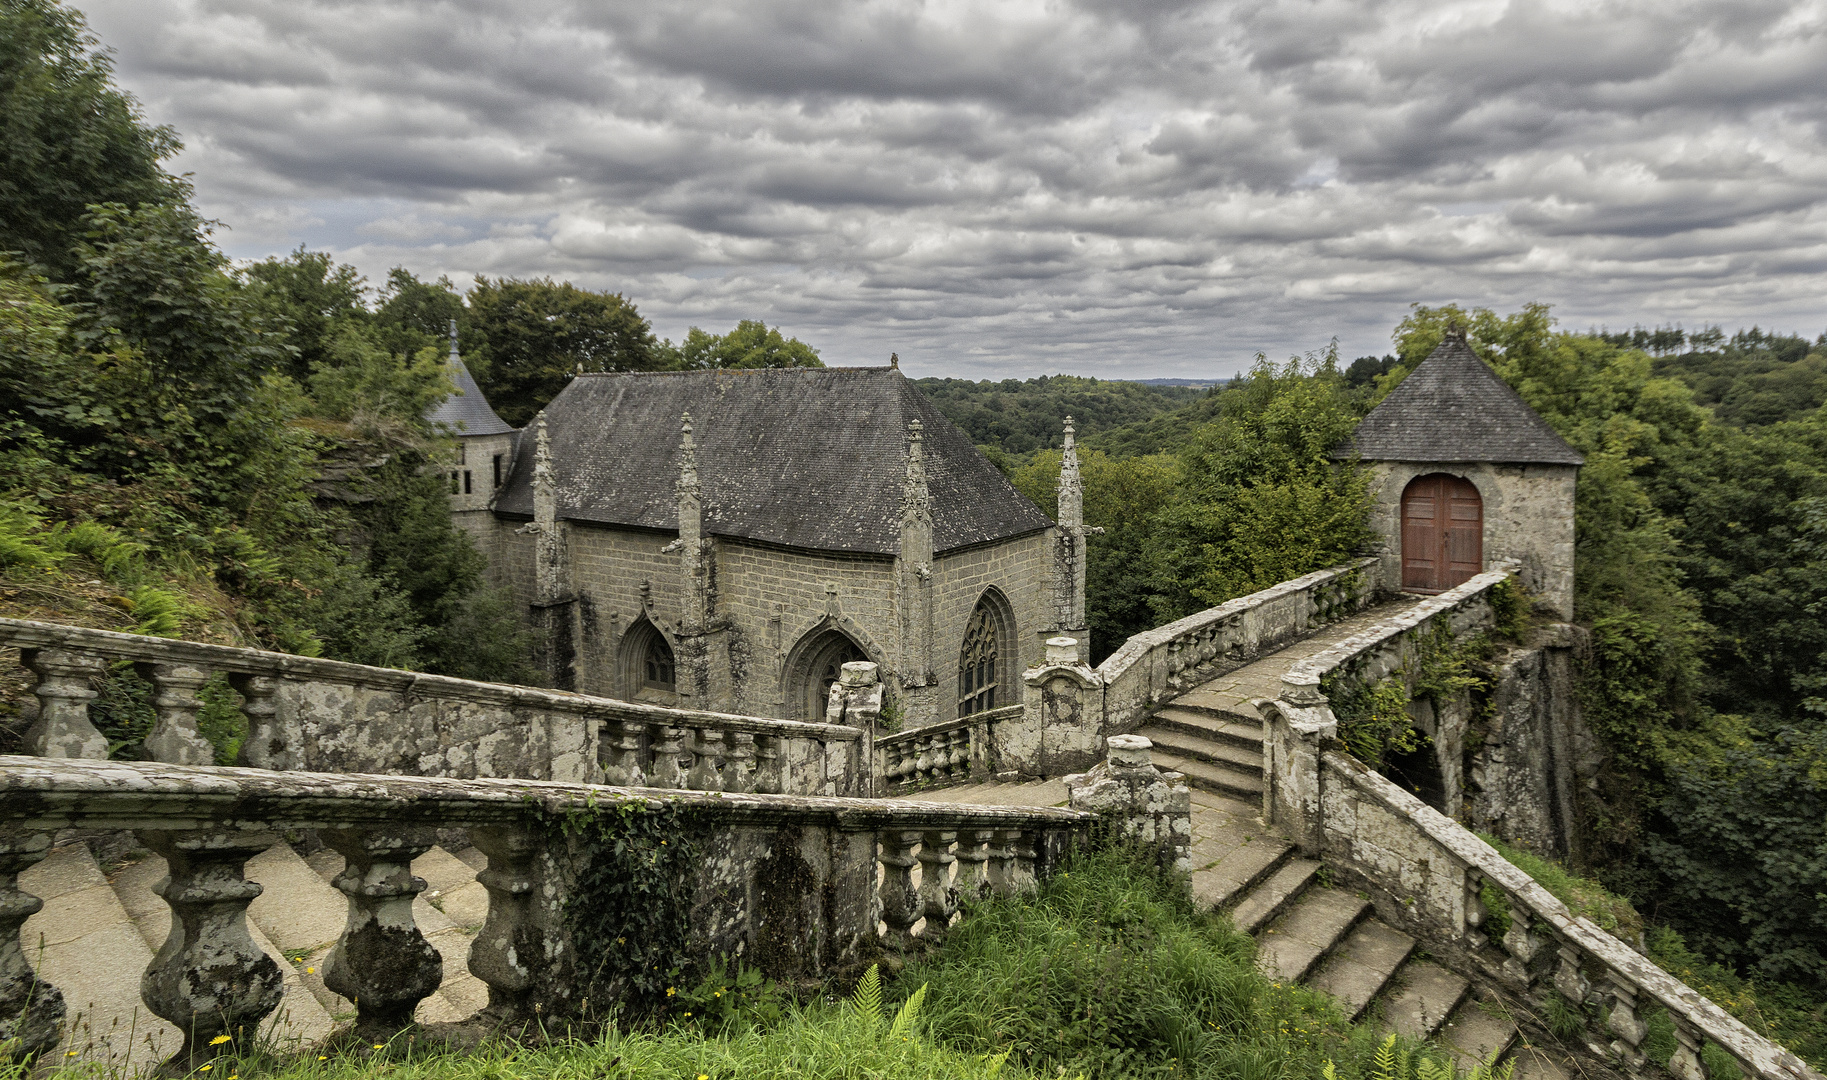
(866, 1003)
(1395, 1062)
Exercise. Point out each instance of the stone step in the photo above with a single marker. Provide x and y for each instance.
(85, 943)
(1202, 723)
(1362, 965)
(302, 1018)
(1477, 1035)
(1536, 1063)
(1222, 753)
(1202, 774)
(1224, 881)
(1425, 996)
(1273, 894)
(1310, 928)
(1225, 705)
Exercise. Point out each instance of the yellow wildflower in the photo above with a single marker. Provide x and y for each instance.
(218, 1040)
(310, 971)
(670, 991)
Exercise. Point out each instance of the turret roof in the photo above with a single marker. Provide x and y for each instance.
(466, 412)
(1454, 408)
(801, 457)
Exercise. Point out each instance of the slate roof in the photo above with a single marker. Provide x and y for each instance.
(801, 457)
(466, 412)
(1454, 408)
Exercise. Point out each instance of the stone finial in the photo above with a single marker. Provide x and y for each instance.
(1301, 688)
(858, 673)
(453, 341)
(894, 361)
(856, 696)
(545, 477)
(1062, 650)
(688, 459)
(1130, 752)
(1071, 487)
(917, 500)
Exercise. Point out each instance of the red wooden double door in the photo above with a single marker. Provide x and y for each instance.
(1442, 533)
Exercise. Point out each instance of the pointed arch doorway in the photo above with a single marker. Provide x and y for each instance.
(1442, 533)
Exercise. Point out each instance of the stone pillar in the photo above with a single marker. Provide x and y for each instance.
(31, 1011)
(521, 952)
(175, 739)
(554, 605)
(382, 962)
(209, 978)
(914, 588)
(1064, 715)
(269, 744)
(1296, 727)
(703, 652)
(856, 700)
(1152, 808)
(63, 728)
(1070, 564)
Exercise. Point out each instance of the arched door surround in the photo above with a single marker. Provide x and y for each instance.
(648, 670)
(986, 657)
(1442, 533)
(817, 662)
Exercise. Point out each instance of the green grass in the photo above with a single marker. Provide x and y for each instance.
(1583, 896)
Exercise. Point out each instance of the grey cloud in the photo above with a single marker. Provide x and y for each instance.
(1128, 188)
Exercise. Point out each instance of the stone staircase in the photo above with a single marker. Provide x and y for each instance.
(1213, 735)
(101, 925)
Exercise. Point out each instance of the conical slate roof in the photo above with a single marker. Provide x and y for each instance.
(466, 412)
(801, 457)
(1454, 408)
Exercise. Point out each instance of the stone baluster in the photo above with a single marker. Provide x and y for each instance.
(668, 748)
(1624, 1021)
(938, 896)
(31, 1011)
(1022, 875)
(768, 765)
(1685, 1062)
(209, 978)
(266, 745)
(513, 948)
(739, 768)
(63, 728)
(1175, 662)
(707, 750)
(174, 738)
(923, 760)
(382, 962)
(1001, 856)
(901, 904)
(1568, 978)
(621, 751)
(973, 864)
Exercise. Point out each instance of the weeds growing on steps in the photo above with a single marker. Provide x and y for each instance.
(1107, 972)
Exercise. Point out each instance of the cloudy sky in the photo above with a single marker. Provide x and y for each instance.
(1127, 189)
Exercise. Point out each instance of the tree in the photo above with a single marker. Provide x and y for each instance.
(752, 344)
(414, 313)
(530, 337)
(314, 296)
(68, 137)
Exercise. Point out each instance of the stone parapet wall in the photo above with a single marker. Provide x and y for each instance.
(804, 886)
(985, 746)
(327, 716)
(1434, 878)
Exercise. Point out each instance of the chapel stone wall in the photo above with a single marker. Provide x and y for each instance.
(1020, 569)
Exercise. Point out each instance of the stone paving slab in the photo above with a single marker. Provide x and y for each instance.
(1262, 678)
(1428, 995)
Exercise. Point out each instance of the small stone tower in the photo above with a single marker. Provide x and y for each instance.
(1466, 475)
(485, 446)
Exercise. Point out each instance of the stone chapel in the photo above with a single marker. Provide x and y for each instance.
(1466, 475)
(728, 539)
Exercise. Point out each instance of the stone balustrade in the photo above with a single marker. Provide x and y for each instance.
(1434, 878)
(858, 865)
(1072, 707)
(974, 748)
(326, 716)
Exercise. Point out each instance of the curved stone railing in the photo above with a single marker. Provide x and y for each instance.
(1438, 880)
(858, 865)
(970, 748)
(1160, 663)
(319, 715)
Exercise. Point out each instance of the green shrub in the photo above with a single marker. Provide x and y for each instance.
(1583, 896)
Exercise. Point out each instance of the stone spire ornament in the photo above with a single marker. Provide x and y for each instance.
(1070, 564)
(693, 575)
(915, 565)
(1071, 488)
(453, 341)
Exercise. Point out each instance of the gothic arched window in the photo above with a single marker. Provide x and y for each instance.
(659, 672)
(648, 670)
(977, 662)
(815, 664)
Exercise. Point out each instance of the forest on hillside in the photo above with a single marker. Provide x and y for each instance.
(193, 447)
